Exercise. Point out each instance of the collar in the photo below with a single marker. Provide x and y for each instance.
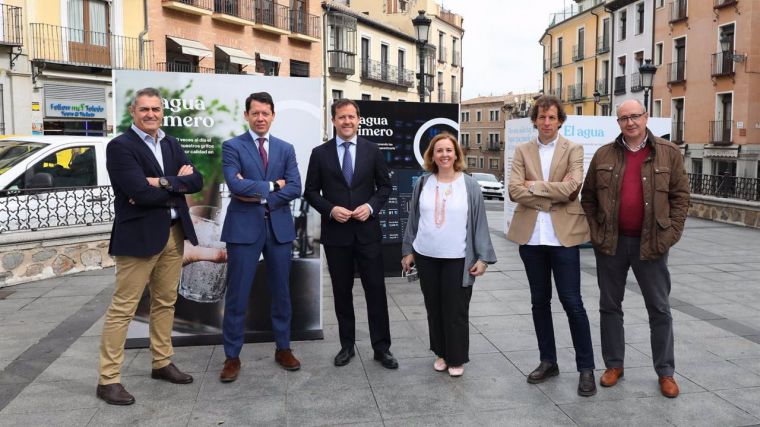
(143, 136)
(340, 140)
(549, 145)
(638, 147)
(255, 136)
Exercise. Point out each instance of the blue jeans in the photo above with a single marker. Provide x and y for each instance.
(540, 262)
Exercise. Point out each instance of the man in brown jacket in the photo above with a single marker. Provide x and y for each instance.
(549, 224)
(636, 196)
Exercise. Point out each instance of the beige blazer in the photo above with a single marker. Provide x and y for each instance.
(550, 194)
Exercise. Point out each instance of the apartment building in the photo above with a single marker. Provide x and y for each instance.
(576, 58)
(443, 52)
(482, 123)
(266, 37)
(15, 75)
(708, 82)
(367, 59)
(632, 31)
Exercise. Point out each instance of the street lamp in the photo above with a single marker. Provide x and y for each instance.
(647, 70)
(421, 25)
(597, 98)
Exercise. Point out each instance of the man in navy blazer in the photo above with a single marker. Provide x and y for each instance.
(262, 175)
(348, 182)
(150, 175)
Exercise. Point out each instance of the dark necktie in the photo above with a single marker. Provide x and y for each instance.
(348, 168)
(263, 152)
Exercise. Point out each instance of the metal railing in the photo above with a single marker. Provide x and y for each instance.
(602, 44)
(718, 4)
(10, 22)
(51, 43)
(56, 207)
(386, 73)
(729, 187)
(454, 97)
(267, 12)
(720, 132)
(578, 52)
(677, 72)
(456, 58)
(556, 59)
(636, 82)
(603, 87)
(556, 92)
(575, 92)
(442, 54)
(678, 11)
(676, 132)
(182, 67)
(723, 64)
(238, 8)
(441, 95)
(619, 85)
(341, 62)
(201, 4)
(493, 146)
(304, 23)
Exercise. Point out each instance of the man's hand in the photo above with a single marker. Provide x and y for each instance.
(479, 268)
(361, 213)
(527, 184)
(185, 170)
(340, 214)
(238, 176)
(567, 178)
(153, 182)
(281, 182)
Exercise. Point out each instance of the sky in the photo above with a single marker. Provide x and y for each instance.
(500, 50)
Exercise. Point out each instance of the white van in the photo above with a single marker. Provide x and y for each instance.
(50, 181)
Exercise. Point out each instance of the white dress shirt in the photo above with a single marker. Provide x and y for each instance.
(155, 147)
(543, 232)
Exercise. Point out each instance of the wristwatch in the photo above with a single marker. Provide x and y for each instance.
(276, 186)
(164, 183)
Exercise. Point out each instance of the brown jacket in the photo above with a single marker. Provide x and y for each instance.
(666, 196)
(550, 194)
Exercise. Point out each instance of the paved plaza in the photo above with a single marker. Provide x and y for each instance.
(50, 332)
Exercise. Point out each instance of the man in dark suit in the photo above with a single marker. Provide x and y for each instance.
(150, 175)
(348, 182)
(262, 175)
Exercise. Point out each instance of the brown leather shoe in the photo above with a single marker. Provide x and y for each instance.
(668, 387)
(172, 374)
(611, 376)
(286, 359)
(231, 370)
(114, 394)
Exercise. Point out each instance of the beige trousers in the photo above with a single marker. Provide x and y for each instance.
(161, 273)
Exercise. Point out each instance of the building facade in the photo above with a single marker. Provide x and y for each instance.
(576, 58)
(15, 73)
(482, 122)
(708, 83)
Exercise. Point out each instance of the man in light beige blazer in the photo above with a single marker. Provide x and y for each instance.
(549, 224)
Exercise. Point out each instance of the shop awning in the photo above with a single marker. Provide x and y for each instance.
(191, 47)
(237, 56)
(270, 58)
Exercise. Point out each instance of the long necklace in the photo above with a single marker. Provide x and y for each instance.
(440, 205)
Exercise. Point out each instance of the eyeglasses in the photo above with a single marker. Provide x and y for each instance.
(634, 117)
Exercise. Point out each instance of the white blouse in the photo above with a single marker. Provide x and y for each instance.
(448, 238)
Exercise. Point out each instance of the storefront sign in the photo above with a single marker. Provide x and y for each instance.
(74, 110)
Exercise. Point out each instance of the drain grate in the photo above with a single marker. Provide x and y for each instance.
(5, 294)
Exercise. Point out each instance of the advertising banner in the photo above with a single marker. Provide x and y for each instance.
(202, 111)
(402, 131)
(590, 131)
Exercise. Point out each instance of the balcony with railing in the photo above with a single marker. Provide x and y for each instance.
(578, 52)
(10, 25)
(454, 97)
(456, 58)
(556, 60)
(556, 92)
(386, 73)
(271, 17)
(602, 44)
(441, 95)
(493, 146)
(304, 26)
(730, 187)
(720, 132)
(636, 83)
(575, 92)
(676, 132)
(603, 87)
(70, 46)
(677, 72)
(195, 7)
(678, 10)
(719, 4)
(238, 12)
(341, 62)
(184, 67)
(723, 64)
(442, 54)
(619, 85)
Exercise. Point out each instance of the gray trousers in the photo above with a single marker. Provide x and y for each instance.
(654, 280)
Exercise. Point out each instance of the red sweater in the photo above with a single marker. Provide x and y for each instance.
(631, 213)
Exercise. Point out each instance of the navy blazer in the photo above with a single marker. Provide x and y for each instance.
(244, 221)
(326, 187)
(142, 229)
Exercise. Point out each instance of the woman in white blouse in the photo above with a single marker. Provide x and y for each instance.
(447, 238)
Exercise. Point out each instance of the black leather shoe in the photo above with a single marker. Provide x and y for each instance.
(586, 383)
(344, 356)
(114, 394)
(172, 374)
(386, 359)
(544, 371)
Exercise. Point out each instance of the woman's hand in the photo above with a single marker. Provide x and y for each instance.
(406, 263)
(479, 268)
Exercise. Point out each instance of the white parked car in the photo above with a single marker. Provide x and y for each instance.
(489, 185)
